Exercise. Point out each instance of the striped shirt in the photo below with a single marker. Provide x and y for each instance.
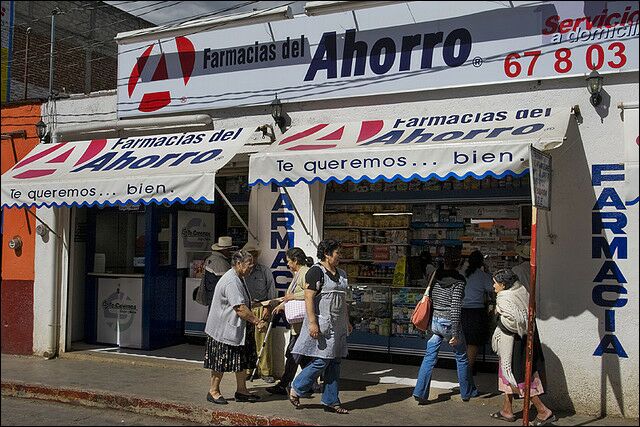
(447, 294)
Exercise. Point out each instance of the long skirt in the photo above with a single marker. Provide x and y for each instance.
(222, 357)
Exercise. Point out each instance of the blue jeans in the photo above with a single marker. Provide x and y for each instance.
(441, 329)
(303, 383)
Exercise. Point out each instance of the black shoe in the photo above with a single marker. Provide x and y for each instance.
(277, 389)
(421, 400)
(220, 401)
(268, 379)
(246, 397)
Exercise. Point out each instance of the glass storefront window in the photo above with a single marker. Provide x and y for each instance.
(164, 238)
(120, 239)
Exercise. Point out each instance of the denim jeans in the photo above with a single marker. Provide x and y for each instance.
(303, 383)
(441, 329)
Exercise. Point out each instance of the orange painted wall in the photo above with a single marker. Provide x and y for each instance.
(18, 266)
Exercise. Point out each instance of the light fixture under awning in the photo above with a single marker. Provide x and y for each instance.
(164, 168)
(430, 147)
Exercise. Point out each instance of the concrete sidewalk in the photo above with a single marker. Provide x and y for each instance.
(375, 393)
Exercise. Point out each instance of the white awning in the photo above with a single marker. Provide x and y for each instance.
(428, 147)
(158, 169)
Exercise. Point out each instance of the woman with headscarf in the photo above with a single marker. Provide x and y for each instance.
(230, 327)
(509, 341)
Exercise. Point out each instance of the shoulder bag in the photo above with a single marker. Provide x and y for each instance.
(423, 312)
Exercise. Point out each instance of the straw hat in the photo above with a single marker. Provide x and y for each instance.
(252, 248)
(524, 251)
(224, 242)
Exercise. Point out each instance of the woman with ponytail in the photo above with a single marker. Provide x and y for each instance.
(299, 264)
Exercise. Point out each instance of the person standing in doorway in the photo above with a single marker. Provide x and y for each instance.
(216, 265)
(262, 288)
(299, 264)
(475, 318)
(447, 293)
(523, 270)
(323, 337)
(230, 345)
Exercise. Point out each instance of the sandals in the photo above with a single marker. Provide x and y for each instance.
(337, 409)
(295, 400)
(538, 422)
(498, 416)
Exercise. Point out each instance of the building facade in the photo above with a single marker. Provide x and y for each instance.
(350, 68)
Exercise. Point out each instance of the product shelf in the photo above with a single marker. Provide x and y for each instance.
(352, 227)
(436, 242)
(422, 224)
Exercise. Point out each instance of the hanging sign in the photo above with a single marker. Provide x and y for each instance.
(540, 164)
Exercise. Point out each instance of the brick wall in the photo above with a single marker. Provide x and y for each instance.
(84, 46)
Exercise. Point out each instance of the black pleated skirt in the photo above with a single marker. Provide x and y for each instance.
(222, 357)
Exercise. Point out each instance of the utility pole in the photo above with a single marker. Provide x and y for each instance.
(26, 63)
(55, 12)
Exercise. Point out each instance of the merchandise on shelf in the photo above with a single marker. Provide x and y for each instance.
(370, 310)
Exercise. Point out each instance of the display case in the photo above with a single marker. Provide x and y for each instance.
(370, 317)
(381, 320)
(405, 337)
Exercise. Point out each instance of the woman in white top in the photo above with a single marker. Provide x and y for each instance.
(229, 328)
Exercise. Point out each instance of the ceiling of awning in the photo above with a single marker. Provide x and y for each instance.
(428, 147)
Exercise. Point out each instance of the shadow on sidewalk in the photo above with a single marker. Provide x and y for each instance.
(377, 400)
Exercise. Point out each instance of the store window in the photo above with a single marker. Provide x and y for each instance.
(164, 238)
(119, 241)
(237, 190)
(388, 228)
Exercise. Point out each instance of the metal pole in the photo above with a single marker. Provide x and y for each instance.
(295, 209)
(531, 317)
(26, 63)
(53, 37)
(236, 212)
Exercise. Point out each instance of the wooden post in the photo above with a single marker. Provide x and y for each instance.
(531, 318)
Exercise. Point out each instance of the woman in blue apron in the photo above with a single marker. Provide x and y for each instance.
(323, 337)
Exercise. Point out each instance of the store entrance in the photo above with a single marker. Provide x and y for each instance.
(134, 270)
(387, 230)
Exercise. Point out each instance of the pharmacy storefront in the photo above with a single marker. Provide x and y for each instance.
(407, 128)
(142, 220)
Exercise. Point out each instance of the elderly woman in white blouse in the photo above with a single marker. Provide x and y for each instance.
(230, 327)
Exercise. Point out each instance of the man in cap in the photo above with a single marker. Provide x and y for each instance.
(217, 264)
(523, 270)
(262, 288)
